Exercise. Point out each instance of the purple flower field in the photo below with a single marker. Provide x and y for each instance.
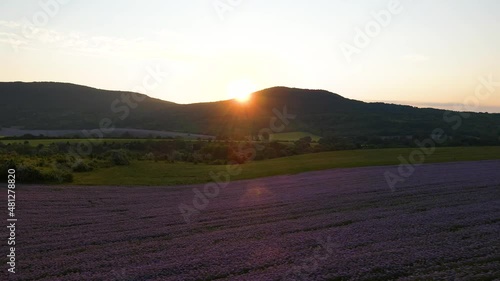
(443, 223)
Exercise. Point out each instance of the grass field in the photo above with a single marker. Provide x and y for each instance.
(36, 142)
(283, 137)
(163, 173)
(292, 136)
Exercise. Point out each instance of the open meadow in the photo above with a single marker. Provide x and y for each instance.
(165, 173)
(442, 223)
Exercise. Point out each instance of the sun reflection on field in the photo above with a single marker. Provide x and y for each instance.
(256, 193)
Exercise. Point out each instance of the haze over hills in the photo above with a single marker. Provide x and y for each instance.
(57, 106)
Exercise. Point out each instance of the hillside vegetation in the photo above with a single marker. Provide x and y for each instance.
(318, 112)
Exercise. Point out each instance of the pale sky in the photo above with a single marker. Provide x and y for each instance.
(427, 53)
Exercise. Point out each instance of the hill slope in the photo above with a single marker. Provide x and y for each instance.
(49, 105)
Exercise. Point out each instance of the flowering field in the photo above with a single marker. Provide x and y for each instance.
(343, 224)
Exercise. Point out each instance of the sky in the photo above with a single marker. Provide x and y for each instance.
(426, 53)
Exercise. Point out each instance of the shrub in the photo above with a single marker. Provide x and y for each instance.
(60, 160)
(9, 164)
(81, 166)
(58, 176)
(41, 163)
(119, 157)
(29, 174)
(148, 156)
(5, 166)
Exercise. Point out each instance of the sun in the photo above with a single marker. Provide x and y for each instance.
(240, 90)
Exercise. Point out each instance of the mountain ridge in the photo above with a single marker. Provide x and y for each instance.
(54, 105)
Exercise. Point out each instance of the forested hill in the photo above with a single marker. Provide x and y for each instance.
(50, 105)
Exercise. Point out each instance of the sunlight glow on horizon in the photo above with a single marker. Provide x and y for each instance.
(241, 90)
(431, 52)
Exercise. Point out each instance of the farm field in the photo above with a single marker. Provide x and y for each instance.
(36, 142)
(117, 132)
(442, 223)
(164, 173)
(281, 137)
(292, 136)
